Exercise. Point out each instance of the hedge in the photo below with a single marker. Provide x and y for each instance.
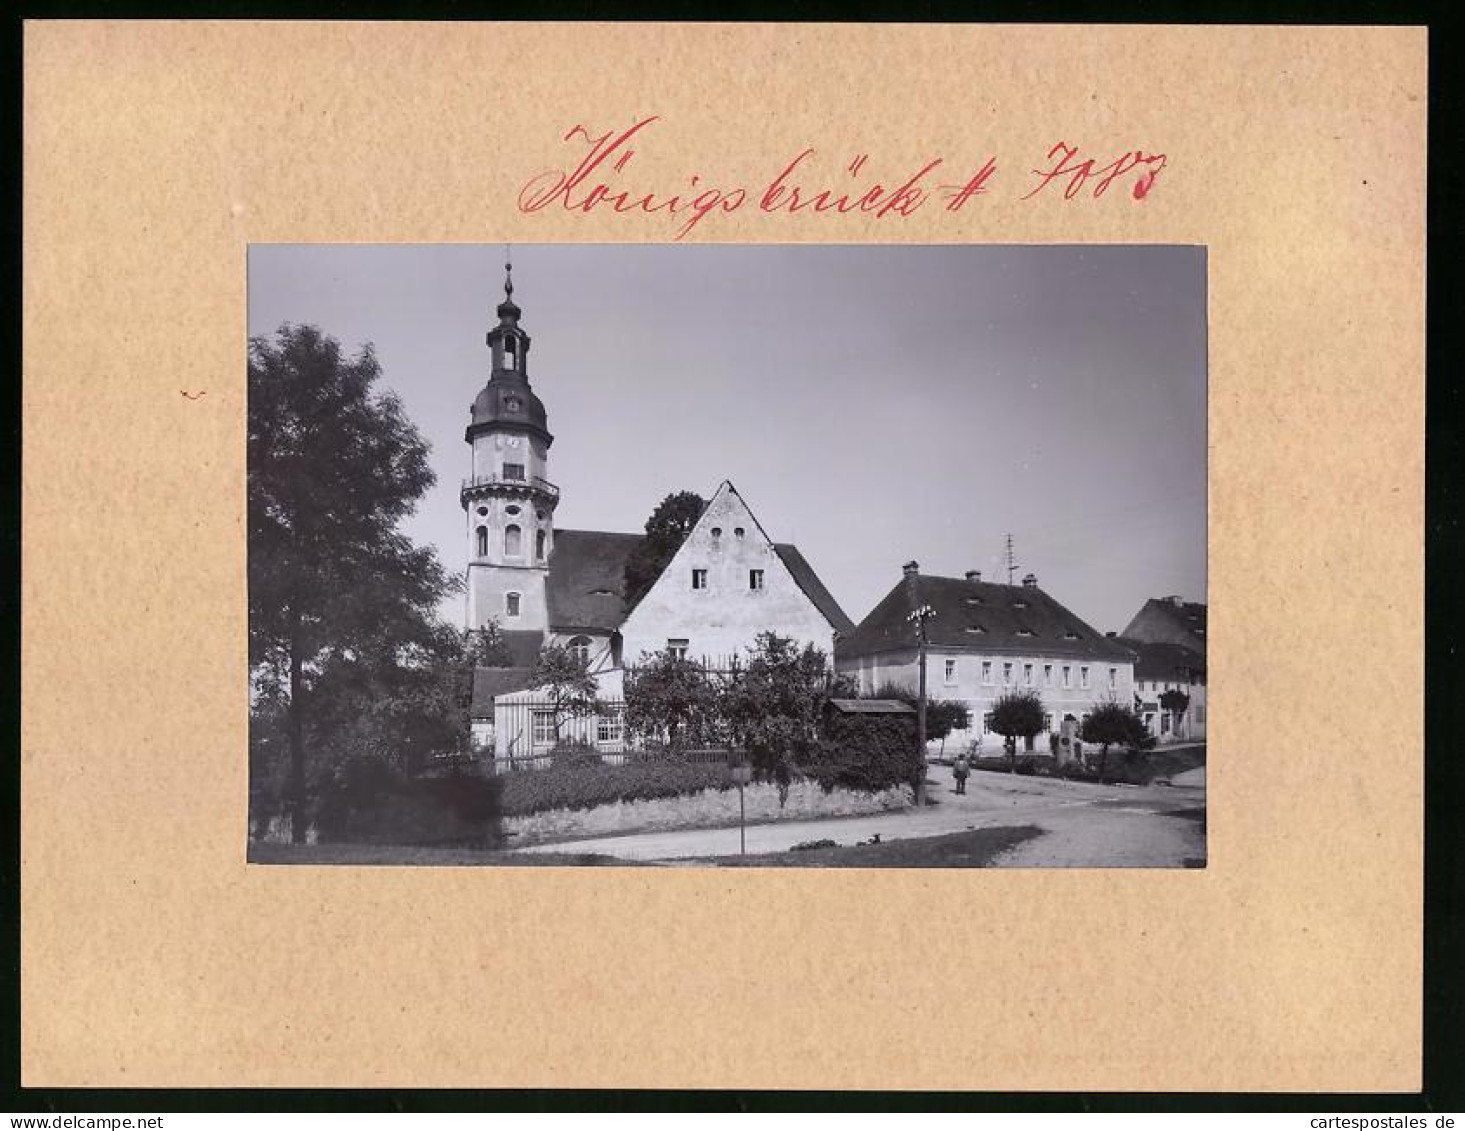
(580, 785)
(370, 802)
(867, 752)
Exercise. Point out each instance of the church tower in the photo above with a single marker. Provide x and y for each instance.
(508, 500)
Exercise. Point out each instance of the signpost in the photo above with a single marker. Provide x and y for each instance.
(742, 773)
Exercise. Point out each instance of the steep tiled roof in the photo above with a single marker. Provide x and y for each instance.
(981, 617)
(587, 568)
(490, 682)
(813, 588)
(1170, 618)
(1163, 661)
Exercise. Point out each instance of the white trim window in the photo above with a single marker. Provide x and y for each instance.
(1047, 675)
(511, 604)
(755, 580)
(1027, 675)
(1083, 676)
(1006, 674)
(610, 727)
(542, 727)
(950, 673)
(699, 579)
(678, 647)
(1113, 678)
(987, 672)
(1067, 676)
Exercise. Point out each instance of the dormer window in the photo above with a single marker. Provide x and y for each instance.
(974, 601)
(975, 629)
(1070, 636)
(1019, 604)
(1024, 632)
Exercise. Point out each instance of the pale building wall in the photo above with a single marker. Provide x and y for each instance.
(1191, 726)
(725, 617)
(488, 589)
(968, 683)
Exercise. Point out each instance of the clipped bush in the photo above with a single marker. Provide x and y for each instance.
(581, 785)
(369, 801)
(866, 752)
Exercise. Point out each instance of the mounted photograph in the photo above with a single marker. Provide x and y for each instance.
(813, 556)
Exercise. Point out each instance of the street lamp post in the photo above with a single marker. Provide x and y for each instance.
(919, 617)
(742, 773)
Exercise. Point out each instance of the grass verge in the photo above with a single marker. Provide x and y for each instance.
(975, 848)
(411, 856)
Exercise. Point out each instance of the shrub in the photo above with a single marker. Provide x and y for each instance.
(369, 801)
(866, 752)
(809, 845)
(584, 786)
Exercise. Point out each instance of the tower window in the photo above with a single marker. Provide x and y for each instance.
(513, 541)
(482, 512)
(755, 580)
(511, 509)
(482, 540)
(580, 649)
(511, 604)
(699, 579)
(513, 471)
(539, 545)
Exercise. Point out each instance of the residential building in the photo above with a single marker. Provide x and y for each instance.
(985, 640)
(1168, 639)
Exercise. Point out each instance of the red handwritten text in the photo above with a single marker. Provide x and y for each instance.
(1080, 172)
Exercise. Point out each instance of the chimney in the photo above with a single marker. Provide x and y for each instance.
(911, 568)
(1030, 581)
(974, 575)
(1176, 601)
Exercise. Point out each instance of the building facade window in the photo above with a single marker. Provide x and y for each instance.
(1027, 675)
(1047, 675)
(580, 649)
(755, 580)
(1200, 715)
(513, 541)
(539, 539)
(987, 723)
(677, 647)
(1083, 676)
(513, 471)
(542, 723)
(1006, 675)
(1067, 676)
(481, 542)
(950, 672)
(610, 727)
(511, 604)
(1113, 678)
(987, 672)
(699, 579)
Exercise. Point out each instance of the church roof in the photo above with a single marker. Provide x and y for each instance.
(979, 616)
(489, 683)
(586, 581)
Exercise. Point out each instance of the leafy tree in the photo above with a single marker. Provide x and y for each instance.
(333, 466)
(1112, 723)
(488, 647)
(1176, 702)
(671, 695)
(942, 715)
(568, 683)
(666, 530)
(774, 704)
(1018, 714)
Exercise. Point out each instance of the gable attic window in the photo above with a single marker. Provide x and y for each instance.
(755, 580)
(738, 530)
(699, 579)
(717, 532)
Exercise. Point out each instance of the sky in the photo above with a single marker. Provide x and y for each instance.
(872, 404)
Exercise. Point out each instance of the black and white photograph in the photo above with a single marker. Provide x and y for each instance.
(819, 556)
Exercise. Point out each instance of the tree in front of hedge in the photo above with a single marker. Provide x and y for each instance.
(774, 705)
(568, 685)
(1111, 724)
(671, 699)
(1018, 714)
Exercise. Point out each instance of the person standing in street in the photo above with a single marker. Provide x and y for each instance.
(959, 769)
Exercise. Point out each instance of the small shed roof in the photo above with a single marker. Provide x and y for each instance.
(872, 707)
